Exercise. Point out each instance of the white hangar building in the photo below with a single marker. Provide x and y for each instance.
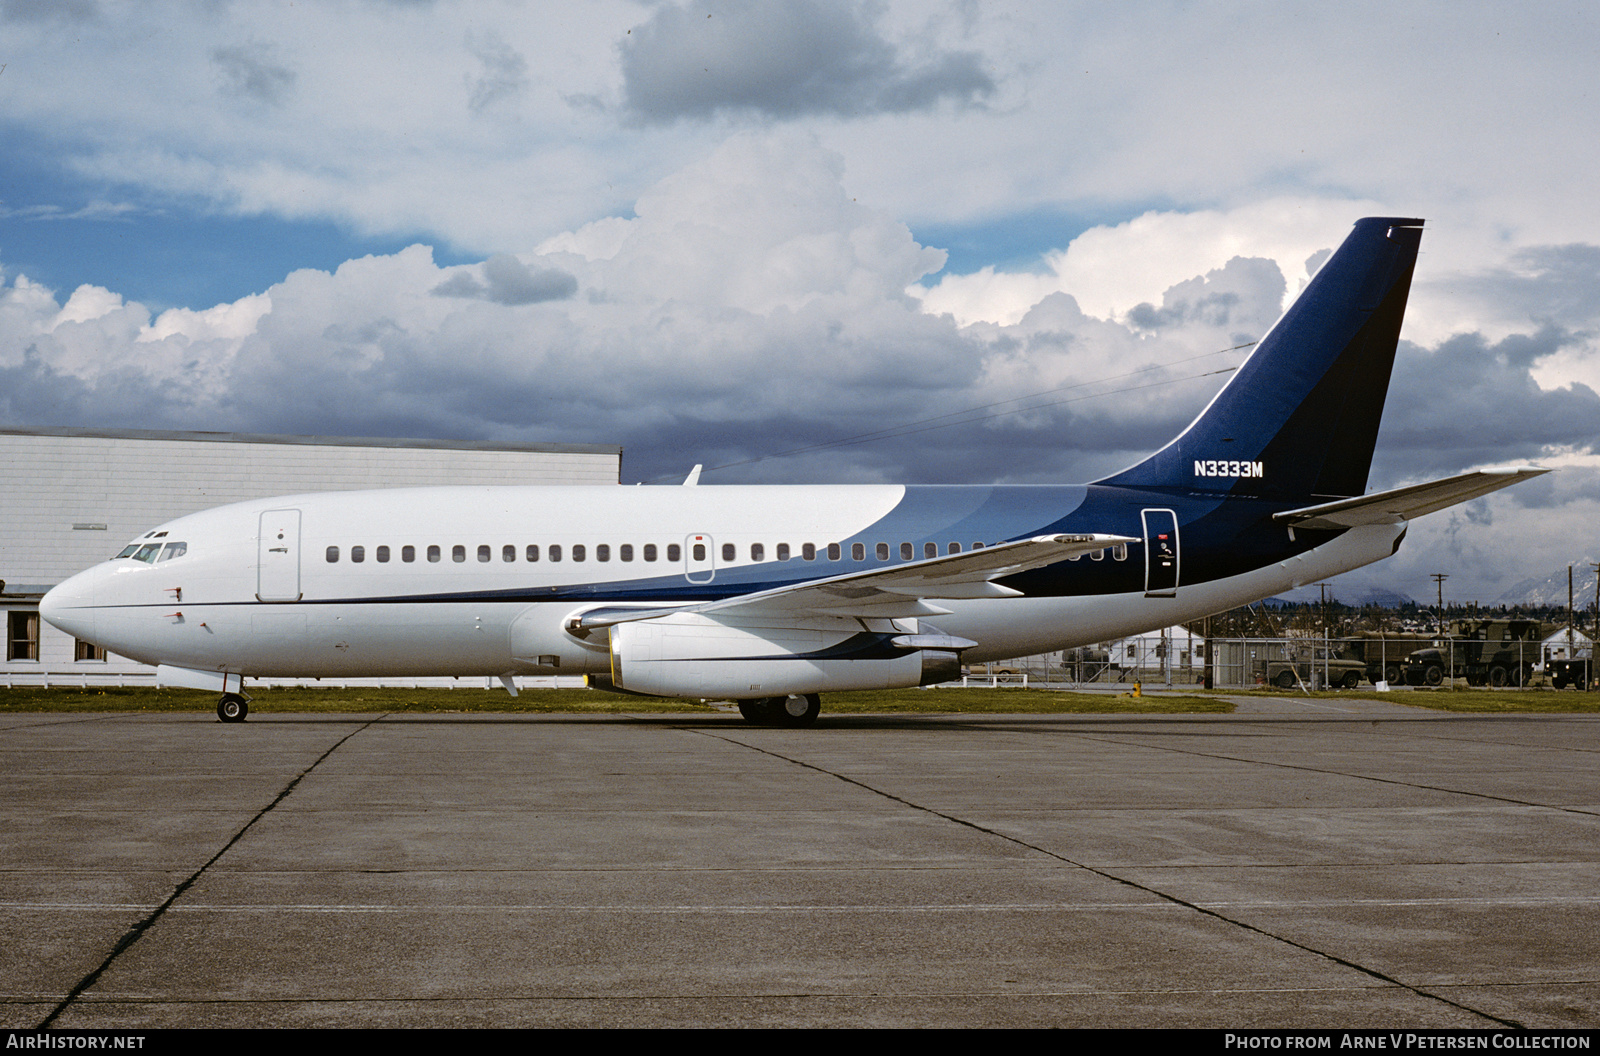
(70, 498)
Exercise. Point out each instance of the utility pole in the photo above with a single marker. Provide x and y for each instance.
(1438, 581)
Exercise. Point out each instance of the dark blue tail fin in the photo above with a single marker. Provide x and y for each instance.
(1300, 417)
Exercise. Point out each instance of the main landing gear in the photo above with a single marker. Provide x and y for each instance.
(796, 709)
(233, 707)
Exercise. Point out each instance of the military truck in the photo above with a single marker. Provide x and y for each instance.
(1484, 652)
(1577, 673)
(1311, 664)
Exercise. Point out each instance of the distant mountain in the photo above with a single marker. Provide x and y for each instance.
(1352, 595)
(1552, 589)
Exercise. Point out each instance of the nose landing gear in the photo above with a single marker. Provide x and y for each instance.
(233, 707)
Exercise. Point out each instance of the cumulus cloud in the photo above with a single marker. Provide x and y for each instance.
(784, 59)
(504, 72)
(506, 280)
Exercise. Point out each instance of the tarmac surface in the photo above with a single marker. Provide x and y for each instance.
(1299, 864)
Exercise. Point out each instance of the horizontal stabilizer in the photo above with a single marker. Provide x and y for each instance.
(1404, 504)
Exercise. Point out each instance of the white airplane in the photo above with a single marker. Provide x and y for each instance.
(771, 595)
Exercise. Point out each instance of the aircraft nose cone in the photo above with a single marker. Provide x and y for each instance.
(69, 607)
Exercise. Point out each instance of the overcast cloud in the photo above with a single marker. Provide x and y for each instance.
(692, 229)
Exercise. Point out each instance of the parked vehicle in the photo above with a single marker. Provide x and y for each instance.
(1484, 652)
(1577, 673)
(1312, 664)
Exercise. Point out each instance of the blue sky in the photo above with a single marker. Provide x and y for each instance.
(711, 230)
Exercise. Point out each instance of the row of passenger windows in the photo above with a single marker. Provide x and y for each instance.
(674, 552)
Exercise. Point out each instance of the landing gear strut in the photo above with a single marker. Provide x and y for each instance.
(233, 707)
(796, 709)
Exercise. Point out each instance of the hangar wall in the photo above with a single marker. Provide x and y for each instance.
(70, 498)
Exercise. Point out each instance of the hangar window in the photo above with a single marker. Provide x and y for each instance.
(554, 552)
(625, 552)
(508, 553)
(333, 555)
(408, 554)
(484, 553)
(882, 550)
(458, 553)
(674, 552)
(649, 551)
(729, 552)
(783, 551)
(858, 551)
(808, 551)
(532, 553)
(22, 635)
(758, 552)
(834, 553)
(906, 553)
(602, 552)
(173, 550)
(82, 650)
(433, 554)
(578, 552)
(358, 554)
(383, 555)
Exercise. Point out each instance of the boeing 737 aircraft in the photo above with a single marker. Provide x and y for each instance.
(770, 595)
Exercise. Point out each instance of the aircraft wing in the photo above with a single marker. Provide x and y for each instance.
(894, 591)
(1404, 504)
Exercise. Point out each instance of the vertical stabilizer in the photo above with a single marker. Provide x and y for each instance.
(1300, 417)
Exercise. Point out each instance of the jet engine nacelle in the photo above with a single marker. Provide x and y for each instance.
(690, 655)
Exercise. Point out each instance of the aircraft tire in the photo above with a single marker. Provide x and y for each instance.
(796, 709)
(757, 712)
(232, 708)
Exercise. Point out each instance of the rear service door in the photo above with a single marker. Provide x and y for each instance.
(1160, 553)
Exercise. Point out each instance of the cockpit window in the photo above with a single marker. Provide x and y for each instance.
(173, 550)
(127, 551)
(147, 553)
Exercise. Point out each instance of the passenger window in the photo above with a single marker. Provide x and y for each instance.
(358, 554)
(458, 553)
(532, 553)
(977, 546)
(808, 551)
(433, 553)
(383, 555)
(508, 554)
(408, 554)
(674, 552)
(834, 552)
(930, 549)
(783, 551)
(625, 551)
(649, 551)
(953, 548)
(699, 551)
(858, 551)
(483, 552)
(882, 550)
(906, 553)
(579, 553)
(333, 555)
(758, 552)
(554, 551)
(729, 553)
(602, 552)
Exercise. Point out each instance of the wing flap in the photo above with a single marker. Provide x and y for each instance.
(1404, 504)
